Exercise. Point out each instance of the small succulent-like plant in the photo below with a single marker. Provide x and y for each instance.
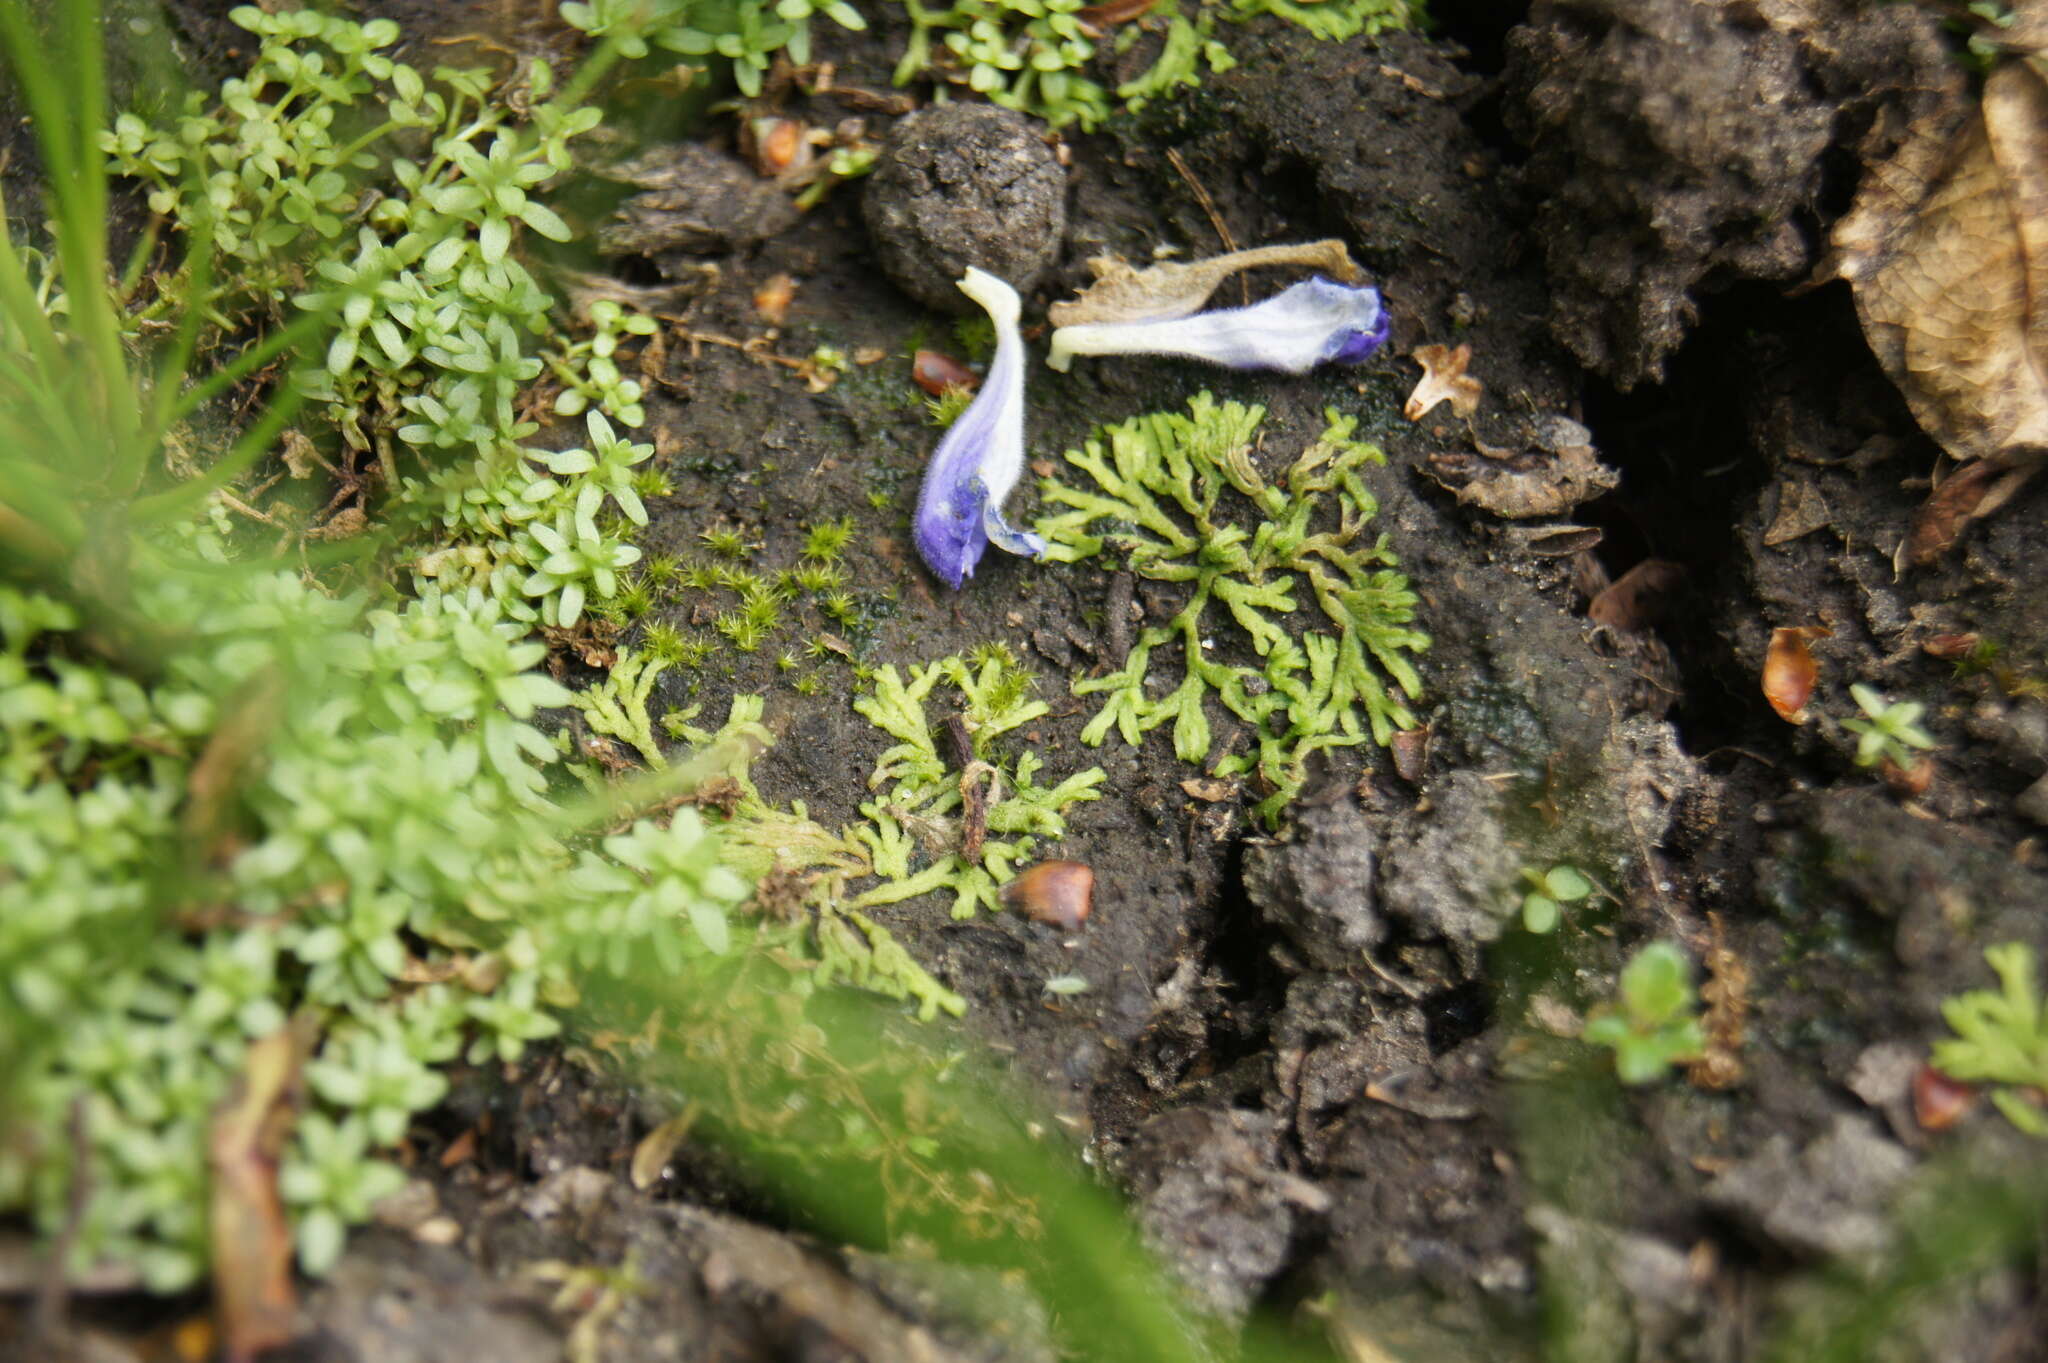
(1653, 1025)
(2001, 1037)
(1547, 892)
(1889, 731)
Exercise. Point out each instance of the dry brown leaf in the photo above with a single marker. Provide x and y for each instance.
(1801, 511)
(1790, 670)
(1123, 293)
(1970, 492)
(252, 1244)
(1443, 380)
(1211, 789)
(1640, 597)
(1946, 249)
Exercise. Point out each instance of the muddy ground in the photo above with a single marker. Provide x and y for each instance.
(1620, 229)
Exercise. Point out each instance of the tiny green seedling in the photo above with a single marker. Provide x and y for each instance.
(944, 409)
(2001, 1037)
(1891, 731)
(725, 542)
(826, 540)
(1654, 1026)
(1548, 890)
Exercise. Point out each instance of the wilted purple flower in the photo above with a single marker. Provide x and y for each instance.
(980, 459)
(1315, 322)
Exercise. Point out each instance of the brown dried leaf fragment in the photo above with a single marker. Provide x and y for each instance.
(1209, 789)
(1527, 485)
(1790, 670)
(1443, 380)
(1801, 511)
(1946, 249)
(1123, 293)
(252, 1243)
(1970, 493)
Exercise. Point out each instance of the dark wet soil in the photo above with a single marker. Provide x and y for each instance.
(1290, 1111)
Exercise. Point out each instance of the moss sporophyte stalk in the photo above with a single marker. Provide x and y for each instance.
(1157, 495)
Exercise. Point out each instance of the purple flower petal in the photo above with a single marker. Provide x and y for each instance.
(980, 459)
(1314, 322)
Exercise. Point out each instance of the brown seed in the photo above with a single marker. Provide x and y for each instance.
(1950, 647)
(1790, 671)
(773, 298)
(935, 373)
(1939, 1102)
(1410, 749)
(1057, 892)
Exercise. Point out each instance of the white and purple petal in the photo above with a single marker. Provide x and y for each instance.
(1315, 322)
(981, 456)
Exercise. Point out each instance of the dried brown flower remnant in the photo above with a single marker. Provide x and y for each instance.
(1443, 380)
(1946, 249)
(1790, 670)
(1057, 892)
(1123, 293)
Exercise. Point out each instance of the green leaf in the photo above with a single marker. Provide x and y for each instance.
(1567, 883)
(493, 239)
(544, 220)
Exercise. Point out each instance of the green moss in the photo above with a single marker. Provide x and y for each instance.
(909, 841)
(1283, 565)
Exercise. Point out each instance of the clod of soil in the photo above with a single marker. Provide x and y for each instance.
(1680, 146)
(693, 200)
(960, 185)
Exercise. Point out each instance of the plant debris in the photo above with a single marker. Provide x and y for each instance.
(1443, 380)
(1946, 249)
(1123, 293)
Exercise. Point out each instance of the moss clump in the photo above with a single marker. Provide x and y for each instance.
(1325, 663)
(916, 835)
